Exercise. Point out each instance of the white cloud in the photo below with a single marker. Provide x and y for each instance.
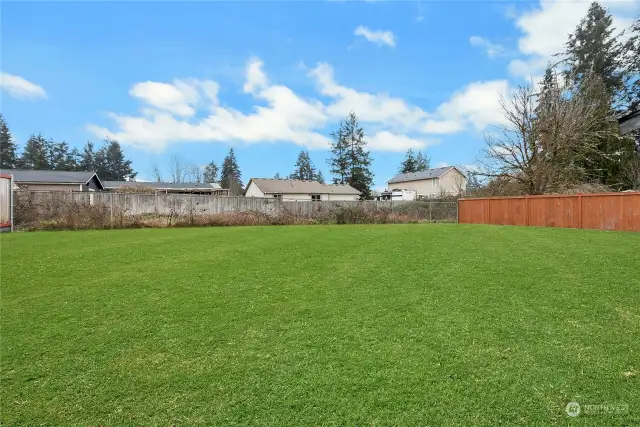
(477, 104)
(546, 30)
(491, 49)
(370, 107)
(387, 141)
(179, 98)
(169, 114)
(21, 88)
(377, 37)
(255, 78)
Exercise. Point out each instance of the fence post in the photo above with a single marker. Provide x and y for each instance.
(579, 210)
(458, 211)
(430, 211)
(526, 207)
(111, 209)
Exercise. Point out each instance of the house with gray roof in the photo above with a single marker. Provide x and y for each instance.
(212, 189)
(430, 183)
(293, 189)
(51, 180)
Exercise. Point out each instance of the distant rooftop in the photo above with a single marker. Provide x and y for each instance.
(294, 186)
(49, 176)
(425, 174)
(163, 185)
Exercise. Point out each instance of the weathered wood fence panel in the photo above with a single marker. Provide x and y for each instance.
(603, 211)
(5, 201)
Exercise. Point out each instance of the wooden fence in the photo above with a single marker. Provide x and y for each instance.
(603, 211)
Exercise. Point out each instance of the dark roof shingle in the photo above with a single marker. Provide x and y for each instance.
(47, 176)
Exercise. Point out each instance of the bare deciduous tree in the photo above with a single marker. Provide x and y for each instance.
(549, 136)
(177, 169)
(194, 173)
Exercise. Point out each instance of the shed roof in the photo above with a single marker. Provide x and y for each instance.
(50, 177)
(165, 185)
(294, 186)
(425, 174)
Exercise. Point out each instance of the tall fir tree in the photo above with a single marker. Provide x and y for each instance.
(75, 159)
(339, 159)
(632, 66)
(230, 176)
(594, 48)
(60, 158)
(350, 161)
(410, 163)
(211, 172)
(320, 177)
(422, 162)
(8, 156)
(111, 164)
(87, 162)
(595, 54)
(304, 168)
(35, 154)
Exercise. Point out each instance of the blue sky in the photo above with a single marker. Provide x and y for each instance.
(272, 78)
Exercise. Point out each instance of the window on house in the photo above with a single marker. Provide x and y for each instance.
(435, 182)
(278, 196)
(315, 197)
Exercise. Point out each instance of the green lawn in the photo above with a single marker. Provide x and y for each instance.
(320, 325)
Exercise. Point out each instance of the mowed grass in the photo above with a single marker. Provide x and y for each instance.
(320, 325)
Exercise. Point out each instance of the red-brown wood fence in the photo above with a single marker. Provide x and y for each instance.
(604, 211)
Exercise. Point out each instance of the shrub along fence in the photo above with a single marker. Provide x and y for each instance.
(35, 210)
(604, 211)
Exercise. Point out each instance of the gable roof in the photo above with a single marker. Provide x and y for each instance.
(294, 186)
(52, 177)
(425, 174)
(164, 185)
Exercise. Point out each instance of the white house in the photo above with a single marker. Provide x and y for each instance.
(291, 189)
(431, 182)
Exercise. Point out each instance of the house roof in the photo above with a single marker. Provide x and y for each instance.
(629, 122)
(164, 185)
(51, 177)
(425, 174)
(293, 186)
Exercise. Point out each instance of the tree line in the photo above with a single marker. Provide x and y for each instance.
(40, 153)
(563, 133)
(180, 171)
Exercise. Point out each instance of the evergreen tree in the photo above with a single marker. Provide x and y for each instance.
(304, 169)
(35, 154)
(422, 162)
(339, 160)
(633, 66)
(87, 162)
(60, 158)
(74, 160)
(277, 176)
(409, 164)
(593, 48)
(211, 172)
(8, 158)
(320, 177)
(350, 162)
(230, 176)
(111, 164)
